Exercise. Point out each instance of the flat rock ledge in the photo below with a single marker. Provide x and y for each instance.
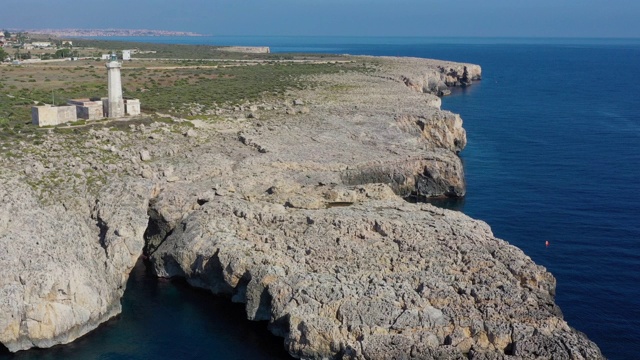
(294, 210)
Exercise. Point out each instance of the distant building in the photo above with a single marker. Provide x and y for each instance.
(41, 44)
(126, 55)
(105, 56)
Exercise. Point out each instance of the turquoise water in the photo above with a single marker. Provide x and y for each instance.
(553, 155)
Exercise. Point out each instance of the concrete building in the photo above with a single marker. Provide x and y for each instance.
(41, 44)
(53, 115)
(88, 109)
(132, 107)
(115, 107)
(126, 55)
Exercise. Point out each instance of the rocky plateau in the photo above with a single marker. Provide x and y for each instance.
(293, 208)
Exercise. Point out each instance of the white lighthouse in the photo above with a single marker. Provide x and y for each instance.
(115, 106)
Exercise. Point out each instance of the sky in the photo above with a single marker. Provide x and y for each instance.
(455, 18)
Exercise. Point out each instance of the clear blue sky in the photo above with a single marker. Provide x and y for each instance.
(508, 18)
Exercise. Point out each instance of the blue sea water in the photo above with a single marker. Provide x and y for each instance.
(553, 155)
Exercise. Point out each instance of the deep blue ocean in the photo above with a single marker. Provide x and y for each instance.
(553, 155)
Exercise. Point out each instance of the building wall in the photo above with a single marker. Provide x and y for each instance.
(53, 115)
(66, 114)
(105, 106)
(88, 110)
(44, 115)
(132, 107)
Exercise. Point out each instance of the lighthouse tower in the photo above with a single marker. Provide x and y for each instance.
(115, 107)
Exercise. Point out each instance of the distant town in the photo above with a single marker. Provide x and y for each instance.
(25, 47)
(104, 32)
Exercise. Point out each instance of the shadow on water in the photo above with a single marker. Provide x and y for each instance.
(449, 203)
(168, 319)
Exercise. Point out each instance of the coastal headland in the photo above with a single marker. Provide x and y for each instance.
(279, 182)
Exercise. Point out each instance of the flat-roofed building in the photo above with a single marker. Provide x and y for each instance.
(132, 107)
(48, 115)
(113, 106)
(88, 109)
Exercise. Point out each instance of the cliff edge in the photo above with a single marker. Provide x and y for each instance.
(293, 208)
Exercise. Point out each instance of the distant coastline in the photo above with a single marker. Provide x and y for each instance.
(106, 32)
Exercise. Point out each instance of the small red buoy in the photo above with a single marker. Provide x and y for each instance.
(546, 243)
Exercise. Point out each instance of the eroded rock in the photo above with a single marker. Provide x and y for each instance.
(62, 269)
(297, 216)
(372, 280)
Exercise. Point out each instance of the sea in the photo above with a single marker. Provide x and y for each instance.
(553, 156)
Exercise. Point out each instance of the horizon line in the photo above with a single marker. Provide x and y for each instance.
(624, 37)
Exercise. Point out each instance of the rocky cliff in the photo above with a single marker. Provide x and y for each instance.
(293, 208)
(378, 279)
(63, 272)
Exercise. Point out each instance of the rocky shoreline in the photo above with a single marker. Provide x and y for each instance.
(292, 208)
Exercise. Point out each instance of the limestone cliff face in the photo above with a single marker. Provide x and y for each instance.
(439, 78)
(62, 271)
(299, 215)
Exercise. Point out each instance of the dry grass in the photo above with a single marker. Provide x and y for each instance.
(167, 86)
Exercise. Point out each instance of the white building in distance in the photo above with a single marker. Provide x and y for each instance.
(41, 44)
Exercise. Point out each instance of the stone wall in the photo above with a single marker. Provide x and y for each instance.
(91, 112)
(66, 114)
(48, 115)
(52, 115)
(87, 109)
(132, 107)
(44, 115)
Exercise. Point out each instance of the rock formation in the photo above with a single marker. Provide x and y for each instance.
(377, 279)
(294, 209)
(63, 273)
